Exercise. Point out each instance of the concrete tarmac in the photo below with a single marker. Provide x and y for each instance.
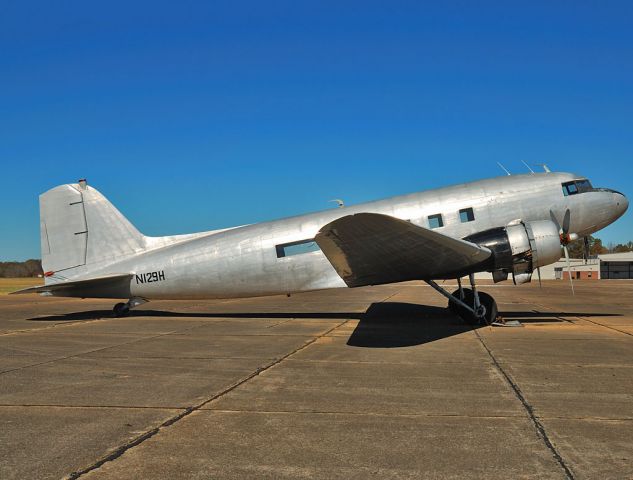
(379, 382)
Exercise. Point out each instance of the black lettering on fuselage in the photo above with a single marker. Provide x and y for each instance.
(150, 277)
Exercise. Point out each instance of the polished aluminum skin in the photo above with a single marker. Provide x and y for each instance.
(84, 237)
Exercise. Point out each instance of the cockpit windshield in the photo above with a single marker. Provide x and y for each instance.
(577, 186)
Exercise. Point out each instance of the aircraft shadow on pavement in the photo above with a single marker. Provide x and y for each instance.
(395, 324)
(382, 325)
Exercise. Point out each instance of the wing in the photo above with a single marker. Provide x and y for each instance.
(372, 249)
(111, 286)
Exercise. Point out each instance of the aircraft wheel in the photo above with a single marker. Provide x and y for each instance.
(463, 313)
(485, 317)
(456, 308)
(121, 310)
(491, 309)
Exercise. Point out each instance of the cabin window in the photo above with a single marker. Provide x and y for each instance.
(466, 215)
(296, 248)
(435, 221)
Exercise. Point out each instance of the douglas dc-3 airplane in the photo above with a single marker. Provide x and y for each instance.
(509, 225)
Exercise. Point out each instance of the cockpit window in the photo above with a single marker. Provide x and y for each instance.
(584, 185)
(569, 188)
(576, 186)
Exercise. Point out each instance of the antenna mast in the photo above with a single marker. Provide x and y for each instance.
(504, 168)
(528, 167)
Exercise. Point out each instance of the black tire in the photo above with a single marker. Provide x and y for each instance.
(469, 298)
(454, 307)
(491, 308)
(463, 313)
(121, 310)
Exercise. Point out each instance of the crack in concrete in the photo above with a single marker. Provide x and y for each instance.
(189, 410)
(540, 429)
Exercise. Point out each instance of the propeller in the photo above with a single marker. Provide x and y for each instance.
(586, 245)
(565, 238)
(571, 282)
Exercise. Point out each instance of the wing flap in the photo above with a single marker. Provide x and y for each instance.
(109, 286)
(372, 249)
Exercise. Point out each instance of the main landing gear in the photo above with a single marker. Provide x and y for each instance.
(123, 309)
(474, 307)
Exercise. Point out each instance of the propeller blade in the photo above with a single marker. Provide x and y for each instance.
(555, 220)
(538, 271)
(566, 220)
(586, 252)
(571, 282)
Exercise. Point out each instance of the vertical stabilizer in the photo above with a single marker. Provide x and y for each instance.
(63, 229)
(81, 229)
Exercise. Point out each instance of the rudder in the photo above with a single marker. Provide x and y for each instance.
(79, 228)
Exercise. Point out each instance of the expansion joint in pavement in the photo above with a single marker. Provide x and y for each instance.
(189, 410)
(530, 411)
(587, 319)
(100, 349)
(48, 327)
(605, 326)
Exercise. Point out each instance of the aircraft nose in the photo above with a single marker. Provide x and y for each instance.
(625, 203)
(621, 203)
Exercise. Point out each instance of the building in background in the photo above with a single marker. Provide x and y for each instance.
(580, 270)
(608, 266)
(616, 265)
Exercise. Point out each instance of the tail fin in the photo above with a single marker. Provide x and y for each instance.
(80, 227)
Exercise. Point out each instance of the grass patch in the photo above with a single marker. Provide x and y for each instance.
(12, 284)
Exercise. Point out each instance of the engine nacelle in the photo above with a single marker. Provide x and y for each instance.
(520, 248)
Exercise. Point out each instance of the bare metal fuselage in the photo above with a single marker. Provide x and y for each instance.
(243, 261)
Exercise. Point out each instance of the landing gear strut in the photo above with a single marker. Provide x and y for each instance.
(123, 309)
(472, 306)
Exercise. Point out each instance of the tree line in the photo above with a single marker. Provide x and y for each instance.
(30, 268)
(577, 248)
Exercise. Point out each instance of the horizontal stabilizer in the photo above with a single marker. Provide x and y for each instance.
(110, 286)
(373, 249)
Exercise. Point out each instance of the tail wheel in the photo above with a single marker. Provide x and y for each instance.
(121, 310)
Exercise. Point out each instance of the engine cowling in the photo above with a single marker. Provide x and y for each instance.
(520, 248)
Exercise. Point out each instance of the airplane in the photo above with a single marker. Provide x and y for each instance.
(510, 225)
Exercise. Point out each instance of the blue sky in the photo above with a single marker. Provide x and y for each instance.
(190, 116)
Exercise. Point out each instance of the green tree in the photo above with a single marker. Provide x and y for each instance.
(30, 268)
(577, 247)
(596, 247)
(620, 248)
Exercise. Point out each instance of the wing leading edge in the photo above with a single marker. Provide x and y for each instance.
(373, 249)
